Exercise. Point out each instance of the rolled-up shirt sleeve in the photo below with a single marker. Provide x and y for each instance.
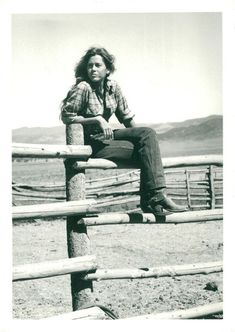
(122, 111)
(74, 103)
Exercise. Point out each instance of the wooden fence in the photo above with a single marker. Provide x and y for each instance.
(82, 213)
(198, 186)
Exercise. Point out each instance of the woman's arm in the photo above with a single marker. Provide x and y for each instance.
(98, 120)
(80, 119)
(123, 113)
(129, 123)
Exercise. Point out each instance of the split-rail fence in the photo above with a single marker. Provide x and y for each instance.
(83, 211)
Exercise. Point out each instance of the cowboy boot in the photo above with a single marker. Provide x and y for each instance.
(158, 200)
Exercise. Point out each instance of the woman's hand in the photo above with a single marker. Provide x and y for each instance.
(105, 127)
(107, 132)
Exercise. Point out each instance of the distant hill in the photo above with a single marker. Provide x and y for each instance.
(192, 129)
(211, 127)
(44, 135)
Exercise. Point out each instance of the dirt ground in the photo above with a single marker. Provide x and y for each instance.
(120, 246)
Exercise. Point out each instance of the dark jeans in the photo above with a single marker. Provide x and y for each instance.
(138, 145)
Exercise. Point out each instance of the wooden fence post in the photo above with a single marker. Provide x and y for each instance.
(212, 187)
(188, 188)
(77, 239)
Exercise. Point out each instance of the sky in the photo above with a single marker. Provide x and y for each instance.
(169, 65)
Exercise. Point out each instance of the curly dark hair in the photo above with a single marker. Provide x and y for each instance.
(81, 67)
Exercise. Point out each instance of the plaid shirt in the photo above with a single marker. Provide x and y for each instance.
(83, 99)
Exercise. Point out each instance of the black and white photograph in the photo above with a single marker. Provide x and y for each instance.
(117, 179)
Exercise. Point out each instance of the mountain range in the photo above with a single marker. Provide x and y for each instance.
(193, 130)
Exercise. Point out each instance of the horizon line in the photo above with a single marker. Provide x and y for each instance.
(113, 123)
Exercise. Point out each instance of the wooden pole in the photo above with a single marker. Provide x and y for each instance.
(167, 162)
(188, 188)
(24, 150)
(93, 313)
(192, 313)
(77, 239)
(54, 268)
(80, 207)
(156, 272)
(212, 187)
(149, 218)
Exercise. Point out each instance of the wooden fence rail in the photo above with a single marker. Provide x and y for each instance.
(91, 207)
(148, 218)
(95, 313)
(24, 150)
(87, 264)
(167, 162)
(53, 209)
(54, 268)
(192, 313)
(156, 272)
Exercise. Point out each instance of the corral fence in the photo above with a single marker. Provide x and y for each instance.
(198, 187)
(198, 177)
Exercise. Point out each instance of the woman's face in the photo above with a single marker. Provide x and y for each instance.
(96, 69)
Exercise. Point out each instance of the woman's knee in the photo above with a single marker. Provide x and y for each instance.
(148, 131)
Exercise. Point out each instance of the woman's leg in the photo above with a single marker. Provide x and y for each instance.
(147, 153)
(139, 145)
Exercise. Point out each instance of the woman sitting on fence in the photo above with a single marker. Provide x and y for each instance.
(91, 101)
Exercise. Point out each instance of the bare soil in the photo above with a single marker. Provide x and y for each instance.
(120, 246)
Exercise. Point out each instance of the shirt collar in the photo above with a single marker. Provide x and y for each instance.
(109, 86)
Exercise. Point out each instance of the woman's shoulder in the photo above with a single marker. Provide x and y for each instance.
(112, 82)
(113, 85)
